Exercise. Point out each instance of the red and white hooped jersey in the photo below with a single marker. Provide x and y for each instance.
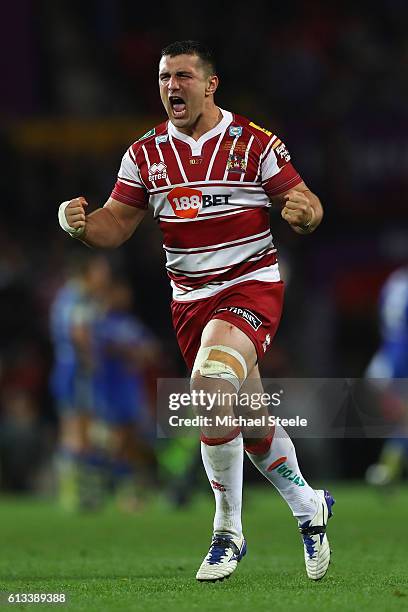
(211, 199)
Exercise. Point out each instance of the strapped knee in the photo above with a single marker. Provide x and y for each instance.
(221, 362)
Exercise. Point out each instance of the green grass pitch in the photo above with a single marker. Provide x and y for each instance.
(148, 561)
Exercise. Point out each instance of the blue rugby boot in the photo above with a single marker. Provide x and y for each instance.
(316, 544)
(226, 551)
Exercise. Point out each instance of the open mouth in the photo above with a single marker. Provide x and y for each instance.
(178, 106)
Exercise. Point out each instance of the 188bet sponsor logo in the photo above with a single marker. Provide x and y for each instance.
(187, 202)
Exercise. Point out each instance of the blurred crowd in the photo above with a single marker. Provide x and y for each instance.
(329, 78)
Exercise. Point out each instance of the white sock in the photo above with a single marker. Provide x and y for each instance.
(224, 466)
(279, 465)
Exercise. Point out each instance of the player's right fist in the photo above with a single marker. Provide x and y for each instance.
(71, 216)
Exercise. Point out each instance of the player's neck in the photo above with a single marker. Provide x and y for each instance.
(205, 122)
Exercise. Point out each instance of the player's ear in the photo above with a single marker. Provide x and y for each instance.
(212, 85)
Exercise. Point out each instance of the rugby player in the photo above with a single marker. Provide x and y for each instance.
(210, 177)
(390, 365)
(76, 306)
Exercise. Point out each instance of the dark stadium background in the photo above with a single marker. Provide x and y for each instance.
(79, 84)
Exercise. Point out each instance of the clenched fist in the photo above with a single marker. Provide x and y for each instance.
(298, 210)
(71, 216)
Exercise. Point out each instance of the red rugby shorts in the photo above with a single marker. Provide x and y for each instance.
(254, 307)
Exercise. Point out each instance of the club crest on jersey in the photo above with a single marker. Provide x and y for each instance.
(157, 171)
(236, 163)
(162, 138)
(245, 314)
(235, 130)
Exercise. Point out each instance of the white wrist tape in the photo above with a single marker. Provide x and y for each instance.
(72, 231)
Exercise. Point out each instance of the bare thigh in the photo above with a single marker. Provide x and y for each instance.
(222, 332)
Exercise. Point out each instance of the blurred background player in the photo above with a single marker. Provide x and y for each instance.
(124, 351)
(390, 365)
(72, 316)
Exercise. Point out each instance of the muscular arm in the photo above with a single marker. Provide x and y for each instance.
(299, 208)
(107, 227)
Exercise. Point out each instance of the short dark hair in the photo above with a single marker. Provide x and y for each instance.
(192, 47)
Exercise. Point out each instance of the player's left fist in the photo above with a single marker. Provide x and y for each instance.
(297, 210)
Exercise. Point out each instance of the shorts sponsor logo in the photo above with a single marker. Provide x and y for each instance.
(235, 130)
(245, 314)
(157, 171)
(162, 138)
(186, 202)
(261, 129)
(266, 342)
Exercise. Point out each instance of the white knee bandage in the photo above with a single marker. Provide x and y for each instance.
(72, 231)
(221, 362)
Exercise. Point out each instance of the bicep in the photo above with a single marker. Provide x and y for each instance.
(127, 216)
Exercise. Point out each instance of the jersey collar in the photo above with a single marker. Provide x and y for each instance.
(197, 145)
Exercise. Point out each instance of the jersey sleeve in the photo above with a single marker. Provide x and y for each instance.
(277, 173)
(129, 188)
